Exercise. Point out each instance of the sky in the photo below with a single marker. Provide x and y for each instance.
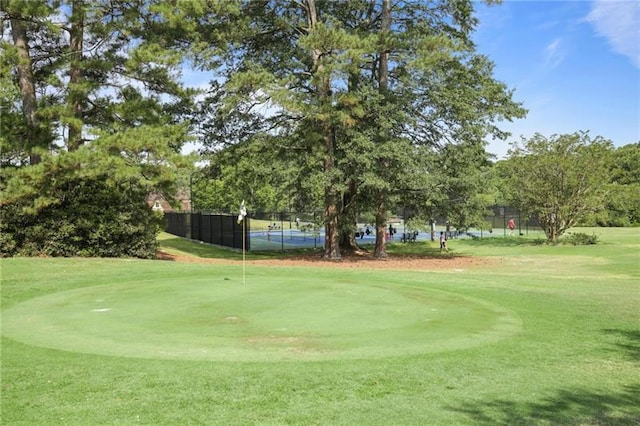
(574, 64)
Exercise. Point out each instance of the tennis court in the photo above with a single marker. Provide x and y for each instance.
(286, 231)
(283, 239)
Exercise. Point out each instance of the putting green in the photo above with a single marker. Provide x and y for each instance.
(198, 319)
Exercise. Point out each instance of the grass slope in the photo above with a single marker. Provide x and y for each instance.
(570, 353)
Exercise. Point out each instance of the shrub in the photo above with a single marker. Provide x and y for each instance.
(95, 219)
(580, 239)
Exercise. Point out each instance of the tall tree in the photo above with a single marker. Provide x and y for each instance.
(557, 180)
(357, 84)
(107, 87)
(383, 86)
(288, 63)
(322, 80)
(433, 91)
(20, 15)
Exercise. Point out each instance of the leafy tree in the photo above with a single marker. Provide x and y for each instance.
(626, 176)
(353, 86)
(625, 169)
(252, 171)
(622, 204)
(286, 61)
(434, 93)
(464, 185)
(103, 118)
(559, 179)
(96, 217)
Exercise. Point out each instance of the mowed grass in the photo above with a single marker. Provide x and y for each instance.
(537, 335)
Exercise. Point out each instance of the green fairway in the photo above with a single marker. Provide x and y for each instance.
(535, 335)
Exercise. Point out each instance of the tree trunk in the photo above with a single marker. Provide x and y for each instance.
(383, 83)
(347, 219)
(76, 95)
(381, 229)
(331, 242)
(383, 69)
(27, 86)
(323, 87)
(549, 224)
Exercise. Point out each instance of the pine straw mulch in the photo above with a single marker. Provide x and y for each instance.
(361, 259)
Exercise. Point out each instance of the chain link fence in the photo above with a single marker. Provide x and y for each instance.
(295, 230)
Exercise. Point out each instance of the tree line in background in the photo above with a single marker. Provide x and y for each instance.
(561, 181)
(346, 107)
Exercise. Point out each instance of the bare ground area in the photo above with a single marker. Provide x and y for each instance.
(353, 261)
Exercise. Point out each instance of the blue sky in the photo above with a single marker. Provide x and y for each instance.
(575, 65)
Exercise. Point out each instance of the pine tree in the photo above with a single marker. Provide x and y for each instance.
(359, 87)
(103, 110)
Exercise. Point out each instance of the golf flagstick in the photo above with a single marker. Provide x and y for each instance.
(241, 216)
(244, 280)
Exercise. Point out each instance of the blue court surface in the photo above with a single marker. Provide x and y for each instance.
(283, 239)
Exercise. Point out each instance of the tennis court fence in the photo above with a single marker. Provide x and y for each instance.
(291, 230)
(219, 229)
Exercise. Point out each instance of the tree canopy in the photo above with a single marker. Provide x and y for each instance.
(356, 108)
(93, 121)
(558, 179)
(363, 91)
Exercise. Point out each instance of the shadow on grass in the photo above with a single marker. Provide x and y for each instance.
(566, 407)
(172, 245)
(505, 242)
(414, 250)
(177, 245)
(192, 248)
(631, 344)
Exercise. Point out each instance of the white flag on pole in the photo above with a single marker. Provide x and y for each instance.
(243, 212)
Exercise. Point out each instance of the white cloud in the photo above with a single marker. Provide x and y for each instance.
(554, 53)
(618, 22)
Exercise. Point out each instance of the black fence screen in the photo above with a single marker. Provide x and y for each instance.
(295, 230)
(222, 230)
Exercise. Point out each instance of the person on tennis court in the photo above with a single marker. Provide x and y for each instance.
(512, 226)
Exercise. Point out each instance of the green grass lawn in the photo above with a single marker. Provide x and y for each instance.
(539, 335)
